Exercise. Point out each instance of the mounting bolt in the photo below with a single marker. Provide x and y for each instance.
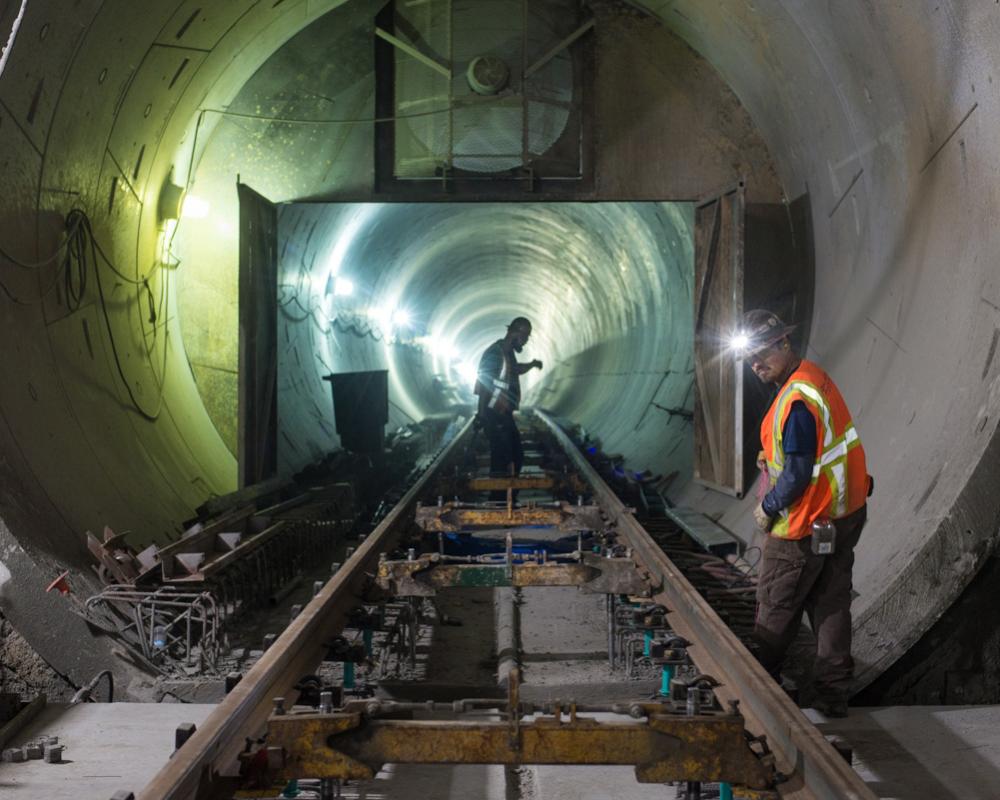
(184, 732)
(326, 702)
(279, 706)
(411, 554)
(693, 701)
(317, 587)
(296, 610)
(334, 568)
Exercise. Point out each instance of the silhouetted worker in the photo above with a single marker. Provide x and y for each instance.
(498, 386)
(813, 512)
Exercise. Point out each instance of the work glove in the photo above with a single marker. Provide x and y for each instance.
(761, 517)
(536, 363)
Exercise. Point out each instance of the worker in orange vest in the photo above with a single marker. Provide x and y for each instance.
(813, 512)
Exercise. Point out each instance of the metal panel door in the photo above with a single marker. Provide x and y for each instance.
(257, 431)
(718, 399)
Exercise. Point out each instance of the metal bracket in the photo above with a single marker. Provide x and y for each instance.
(428, 573)
(663, 747)
(458, 516)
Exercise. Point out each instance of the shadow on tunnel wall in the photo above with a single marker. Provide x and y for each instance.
(780, 276)
(957, 661)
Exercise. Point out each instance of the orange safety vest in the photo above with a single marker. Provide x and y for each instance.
(839, 484)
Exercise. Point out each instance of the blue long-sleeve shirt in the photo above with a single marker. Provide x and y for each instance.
(798, 439)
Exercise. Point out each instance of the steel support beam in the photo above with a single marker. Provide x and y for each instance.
(454, 517)
(554, 482)
(558, 48)
(424, 576)
(664, 747)
(413, 52)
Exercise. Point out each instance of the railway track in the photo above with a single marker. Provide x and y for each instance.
(697, 709)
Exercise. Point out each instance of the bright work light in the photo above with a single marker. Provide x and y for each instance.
(739, 342)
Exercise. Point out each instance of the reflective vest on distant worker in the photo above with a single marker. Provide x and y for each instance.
(839, 484)
(497, 378)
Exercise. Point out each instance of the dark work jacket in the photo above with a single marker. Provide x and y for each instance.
(498, 380)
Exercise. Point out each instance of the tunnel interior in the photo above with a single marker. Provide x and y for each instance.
(425, 288)
(116, 409)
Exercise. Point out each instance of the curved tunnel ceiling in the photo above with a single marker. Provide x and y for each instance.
(881, 113)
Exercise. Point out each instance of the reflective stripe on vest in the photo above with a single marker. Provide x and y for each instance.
(500, 384)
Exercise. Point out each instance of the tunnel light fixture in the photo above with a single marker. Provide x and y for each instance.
(194, 207)
(468, 372)
(342, 287)
(400, 318)
(439, 347)
(382, 316)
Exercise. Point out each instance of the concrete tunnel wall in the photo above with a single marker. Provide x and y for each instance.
(880, 112)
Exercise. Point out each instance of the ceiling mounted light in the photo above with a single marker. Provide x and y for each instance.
(194, 207)
(169, 203)
(400, 318)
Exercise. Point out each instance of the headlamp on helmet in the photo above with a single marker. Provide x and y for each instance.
(761, 329)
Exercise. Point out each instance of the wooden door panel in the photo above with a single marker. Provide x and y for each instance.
(718, 415)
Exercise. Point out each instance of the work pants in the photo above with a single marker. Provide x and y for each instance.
(793, 579)
(506, 453)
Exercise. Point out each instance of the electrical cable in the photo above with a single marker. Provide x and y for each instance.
(70, 241)
(223, 112)
(41, 297)
(83, 252)
(38, 264)
(350, 121)
(95, 249)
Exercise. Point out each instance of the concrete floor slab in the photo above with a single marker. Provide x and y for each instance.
(921, 752)
(108, 746)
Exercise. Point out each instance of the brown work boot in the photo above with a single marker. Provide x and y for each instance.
(834, 707)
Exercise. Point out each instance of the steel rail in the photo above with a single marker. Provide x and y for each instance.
(814, 768)
(214, 746)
